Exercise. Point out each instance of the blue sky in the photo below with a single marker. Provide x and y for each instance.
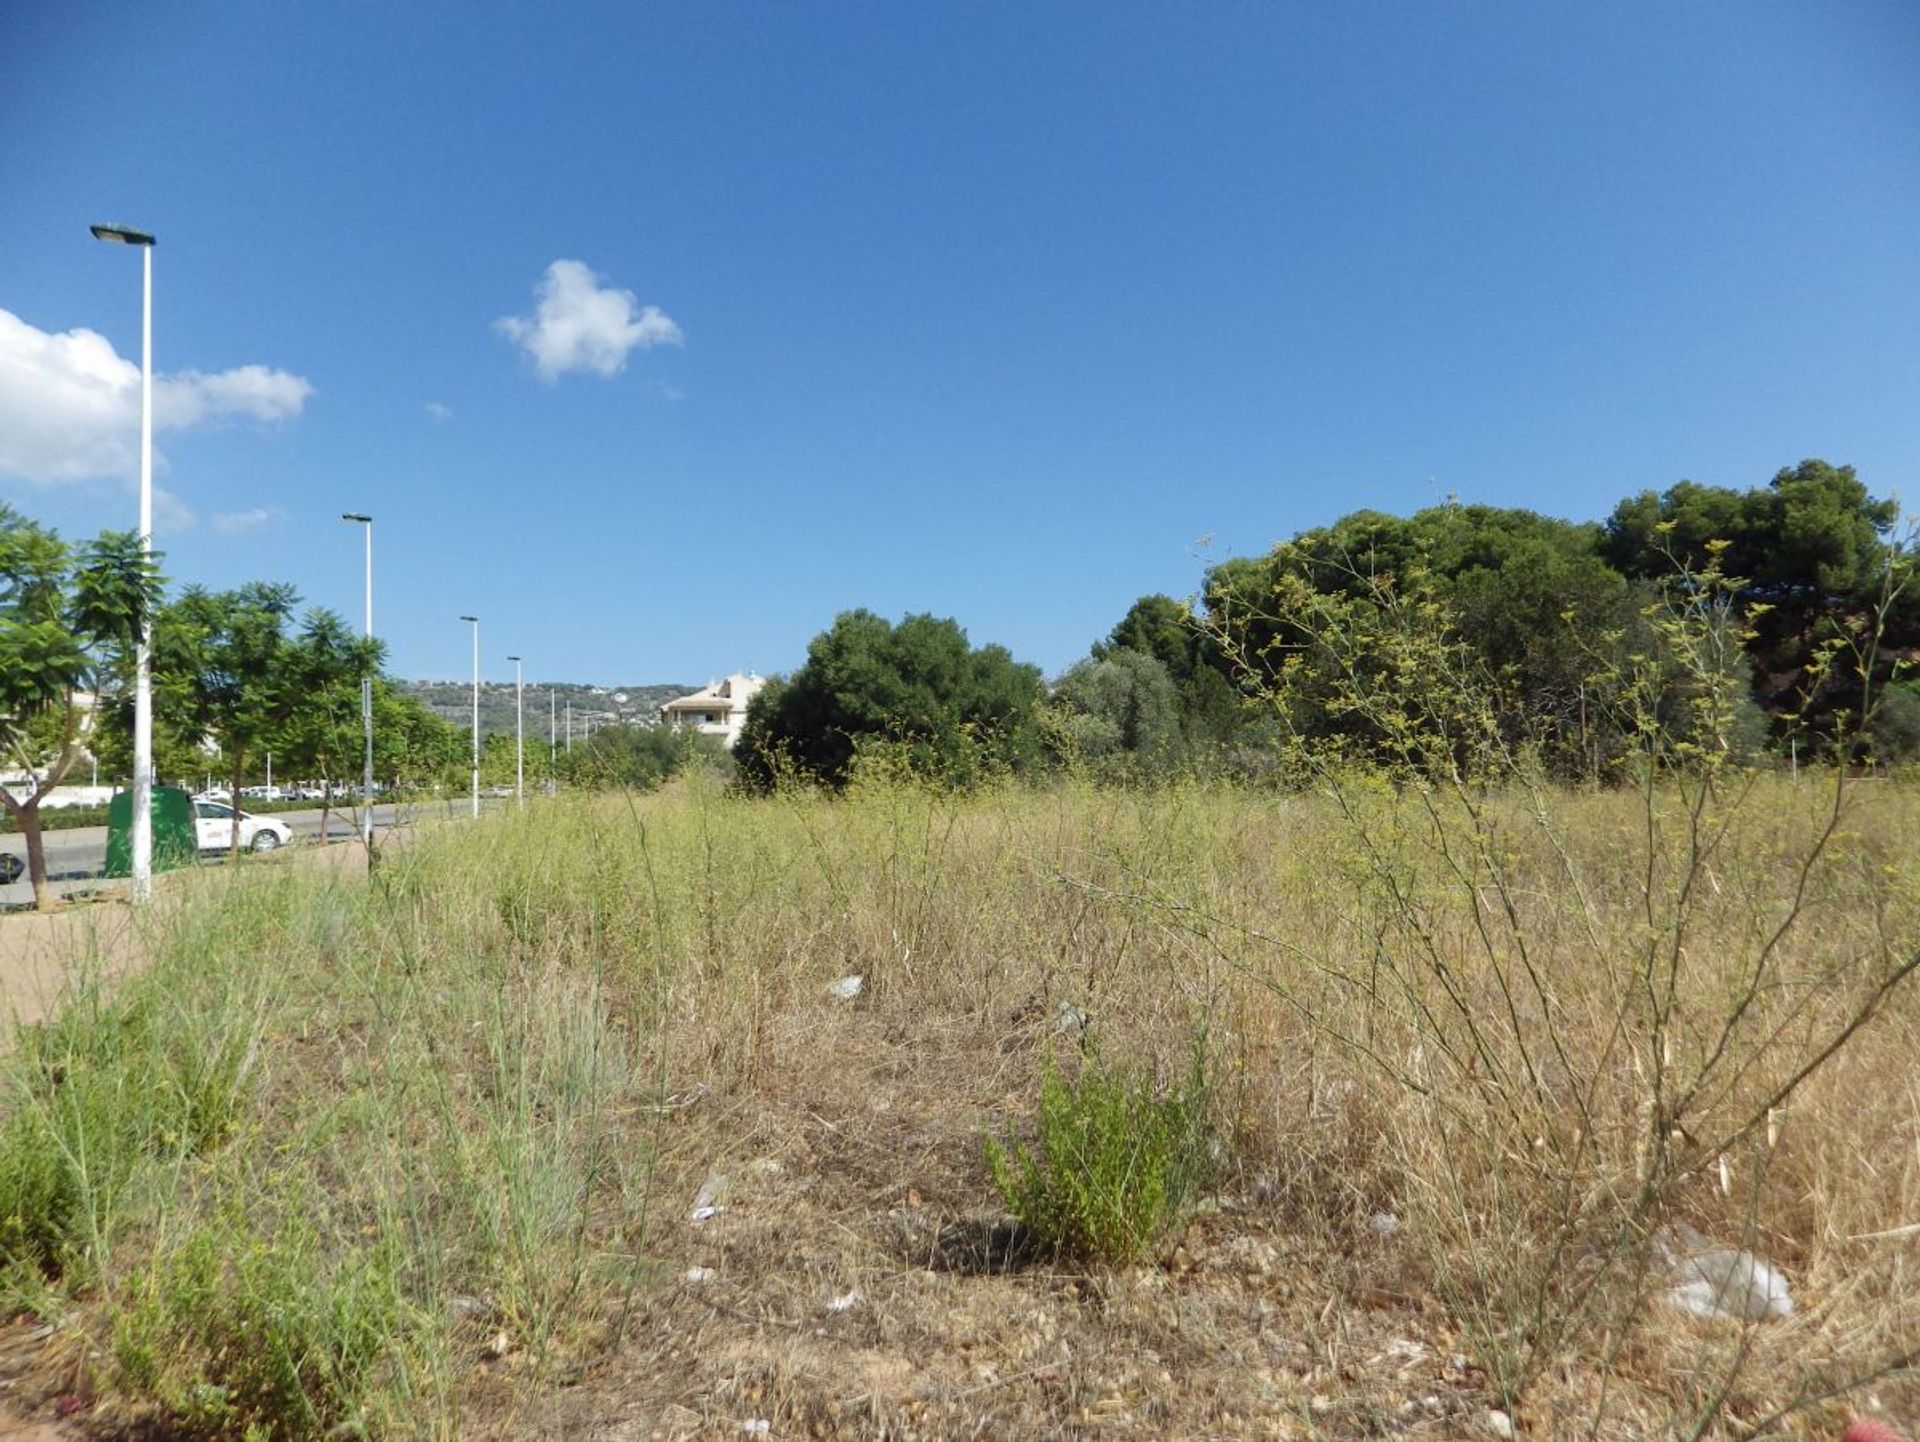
(1006, 312)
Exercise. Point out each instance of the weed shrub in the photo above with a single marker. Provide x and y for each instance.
(240, 1335)
(95, 1098)
(1115, 1161)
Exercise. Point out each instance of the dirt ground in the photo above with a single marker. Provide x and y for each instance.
(39, 952)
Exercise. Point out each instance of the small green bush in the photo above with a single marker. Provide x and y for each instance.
(1116, 1160)
(237, 1334)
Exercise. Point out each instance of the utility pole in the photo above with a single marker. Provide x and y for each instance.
(519, 735)
(474, 621)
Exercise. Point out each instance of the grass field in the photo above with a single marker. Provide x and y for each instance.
(419, 1157)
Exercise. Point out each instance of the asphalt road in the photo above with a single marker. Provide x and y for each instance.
(76, 858)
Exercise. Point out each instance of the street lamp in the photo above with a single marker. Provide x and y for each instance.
(519, 736)
(140, 835)
(475, 622)
(366, 683)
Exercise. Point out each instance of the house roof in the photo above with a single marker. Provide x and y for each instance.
(733, 692)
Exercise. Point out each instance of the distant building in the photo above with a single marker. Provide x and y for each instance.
(719, 710)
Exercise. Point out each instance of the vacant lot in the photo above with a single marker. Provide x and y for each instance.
(422, 1156)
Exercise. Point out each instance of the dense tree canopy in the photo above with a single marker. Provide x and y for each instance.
(1547, 611)
(1811, 551)
(948, 709)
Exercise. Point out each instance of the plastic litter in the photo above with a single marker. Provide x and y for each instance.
(711, 1200)
(846, 988)
(1710, 1281)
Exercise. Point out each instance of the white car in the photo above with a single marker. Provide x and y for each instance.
(213, 827)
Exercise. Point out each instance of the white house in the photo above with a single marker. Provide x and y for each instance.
(718, 710)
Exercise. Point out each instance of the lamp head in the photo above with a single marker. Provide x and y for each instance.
(121, 234)
(356, 516)
(474, 619)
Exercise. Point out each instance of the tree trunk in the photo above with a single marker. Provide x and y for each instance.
(28, 817)
(233, 799)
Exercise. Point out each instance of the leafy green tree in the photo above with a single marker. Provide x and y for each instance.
(951, 711)
(1814, 556)
(1530, 596)
(412, 746)
(1213, 712)
(499, 759)
(1160, 627)
(1119, 713)
(640, 757)
(70, 620)
(234, 670)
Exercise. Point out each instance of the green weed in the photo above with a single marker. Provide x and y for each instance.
(1115, 1162)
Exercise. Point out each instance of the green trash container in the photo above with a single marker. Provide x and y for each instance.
(175, 840)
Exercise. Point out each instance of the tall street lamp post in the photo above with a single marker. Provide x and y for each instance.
(366, 685)
(474, 621)
(519, 736)
(140, 835)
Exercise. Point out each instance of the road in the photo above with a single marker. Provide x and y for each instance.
(75, 858)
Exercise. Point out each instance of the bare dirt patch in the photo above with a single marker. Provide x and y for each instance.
(861, 1280)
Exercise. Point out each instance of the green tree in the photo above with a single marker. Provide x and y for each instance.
(69, 621)
(1532, 598)
(1213, 712)
(640, 757)
(413, 747)
(235, 671)
(953, 712)
(1119, 713)
(1813, 554)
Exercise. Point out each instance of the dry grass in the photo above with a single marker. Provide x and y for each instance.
(486, 1091)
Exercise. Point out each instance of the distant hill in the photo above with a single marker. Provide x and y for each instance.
(592, 705)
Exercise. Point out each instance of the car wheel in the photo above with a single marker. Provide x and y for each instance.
(265, 839)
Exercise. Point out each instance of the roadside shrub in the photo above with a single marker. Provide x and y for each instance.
(94, 1097)
(236, 1334)
(1116, 1160)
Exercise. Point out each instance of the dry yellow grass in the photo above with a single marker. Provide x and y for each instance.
(527, 1048)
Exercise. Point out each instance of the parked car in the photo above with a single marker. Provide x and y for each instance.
(213, 823)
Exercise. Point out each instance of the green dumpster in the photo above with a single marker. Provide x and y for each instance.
(175, 841)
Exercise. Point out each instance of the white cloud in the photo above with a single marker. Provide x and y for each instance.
(439, 412)
(70, 404)
(171, 515)
(238, 523)
(580, 325)
(191, 397)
